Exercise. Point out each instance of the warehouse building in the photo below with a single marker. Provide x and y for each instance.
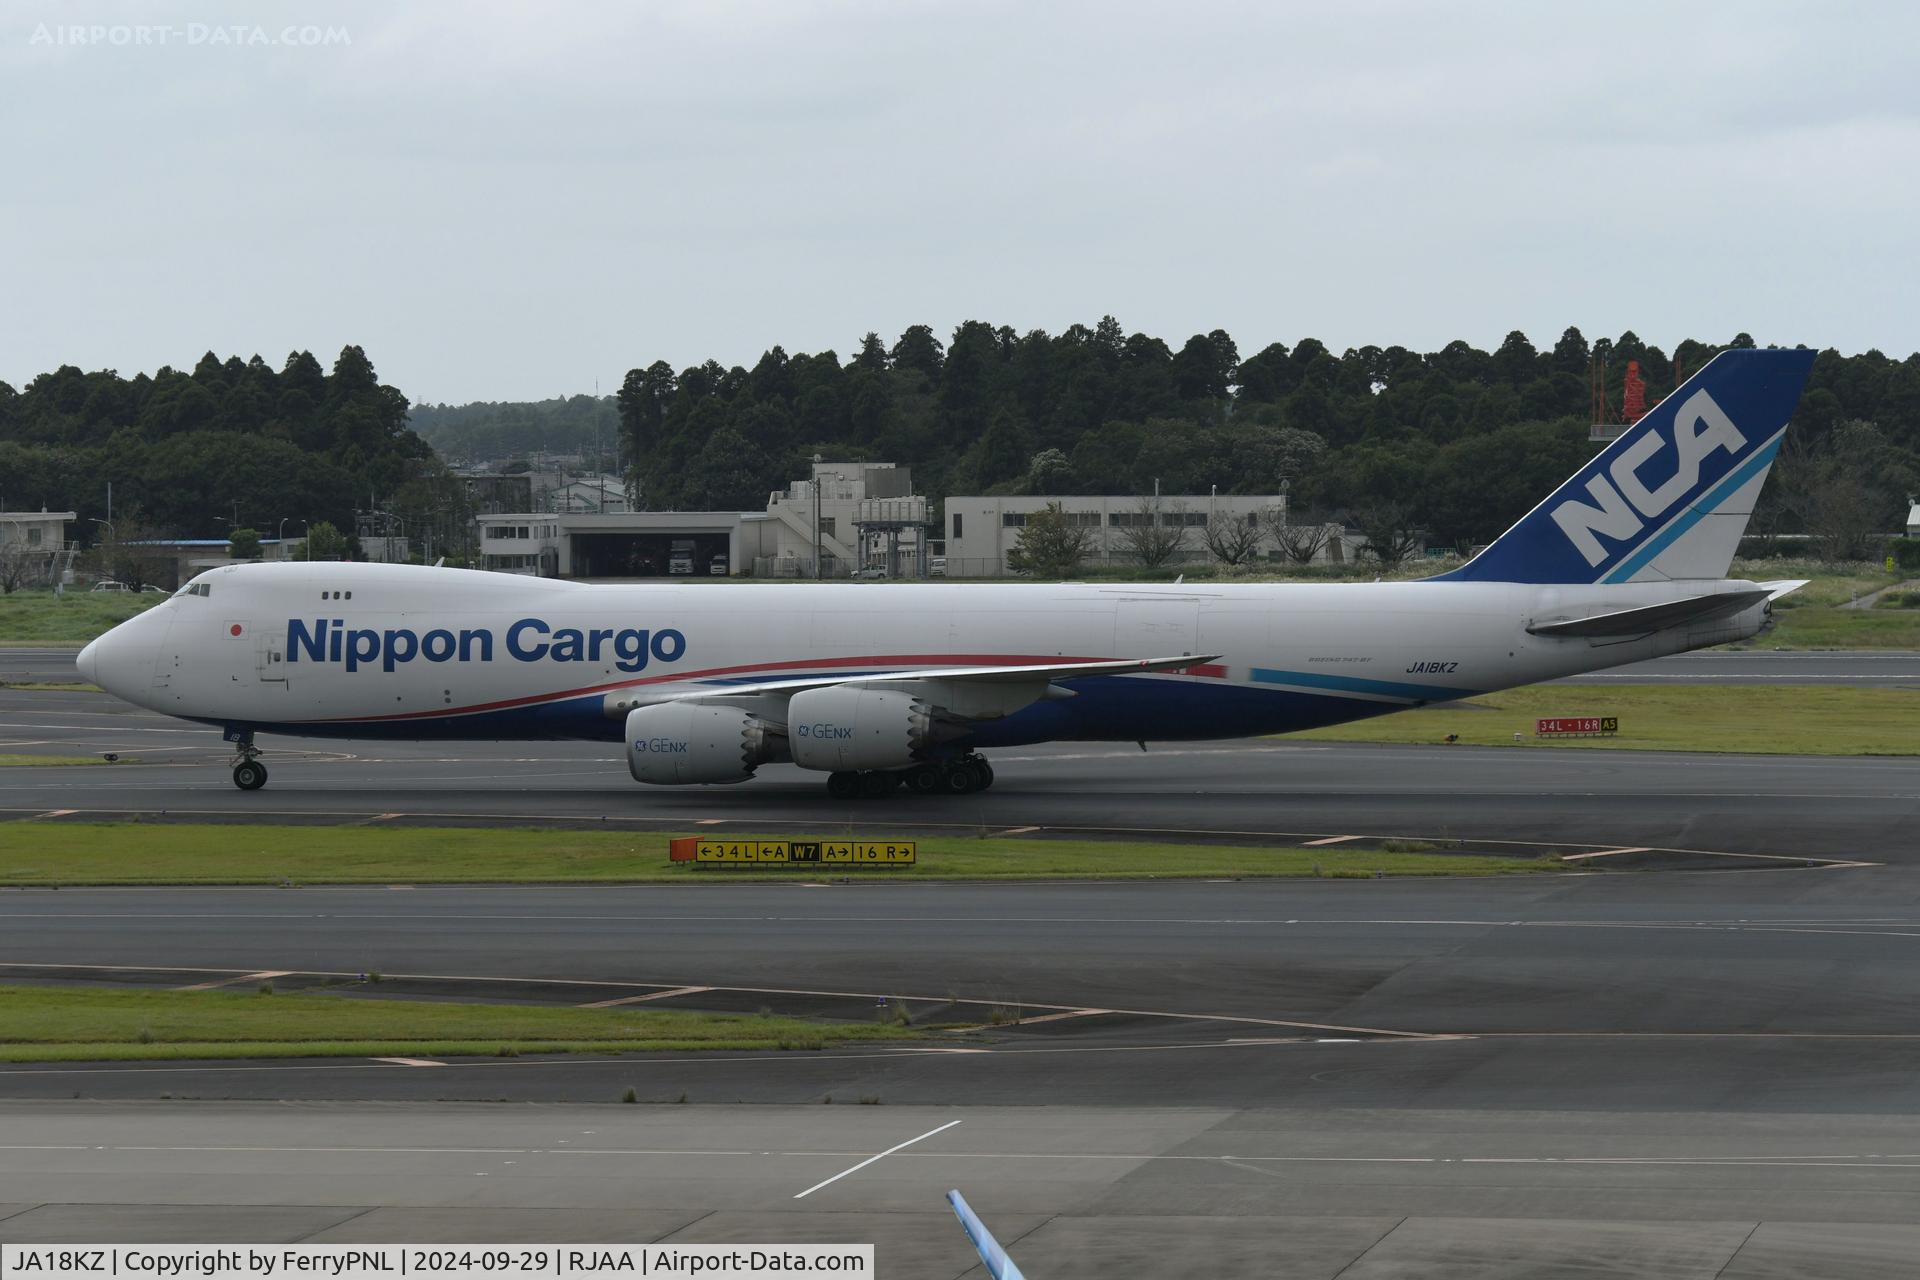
(980, 531)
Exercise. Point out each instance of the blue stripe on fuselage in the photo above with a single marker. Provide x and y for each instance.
(1360, 684)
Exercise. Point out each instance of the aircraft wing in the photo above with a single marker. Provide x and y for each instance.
(998, 1264)
(1036, 676)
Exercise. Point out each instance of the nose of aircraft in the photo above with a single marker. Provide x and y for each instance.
(121, 661)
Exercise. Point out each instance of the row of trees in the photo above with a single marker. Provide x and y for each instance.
(1458, 442)
(490, 431)
(231, 443)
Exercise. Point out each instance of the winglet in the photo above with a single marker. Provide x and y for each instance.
(998, 1264)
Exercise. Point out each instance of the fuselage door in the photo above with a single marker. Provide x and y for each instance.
(270, 654)
(1156, 626)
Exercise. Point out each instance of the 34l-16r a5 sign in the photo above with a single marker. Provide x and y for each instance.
(1576, 726)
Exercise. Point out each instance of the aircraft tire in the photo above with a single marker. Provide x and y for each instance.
(922, 779)
(249, 775)
(959, 779)
(843, 785)
(875, 783)
(983, 771)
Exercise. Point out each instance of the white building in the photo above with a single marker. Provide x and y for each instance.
(982, 530)
(862, 514)
(34, 549)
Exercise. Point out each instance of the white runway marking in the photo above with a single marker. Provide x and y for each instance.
(265, 975)
(873, 1159)
(642, 999)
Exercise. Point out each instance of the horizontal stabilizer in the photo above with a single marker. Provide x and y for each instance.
(1658, 617)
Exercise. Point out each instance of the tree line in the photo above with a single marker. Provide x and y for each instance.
(230, 444)
(1454, 444)
(493, 431)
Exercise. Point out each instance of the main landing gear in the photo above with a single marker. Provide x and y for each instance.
(959, 776)
(248, 773)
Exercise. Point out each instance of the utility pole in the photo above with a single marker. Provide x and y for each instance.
(816, 517)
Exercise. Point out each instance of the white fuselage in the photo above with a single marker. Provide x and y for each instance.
(361, 650)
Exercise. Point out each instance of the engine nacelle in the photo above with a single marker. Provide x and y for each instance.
(673, 742)
(850, 726)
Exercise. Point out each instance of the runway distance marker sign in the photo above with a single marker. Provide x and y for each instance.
(795, 853)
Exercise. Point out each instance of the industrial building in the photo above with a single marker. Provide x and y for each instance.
(852, 516)
(980, 531)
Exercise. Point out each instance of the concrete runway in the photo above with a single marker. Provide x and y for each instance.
(1709, 1073)
(1073, 1192)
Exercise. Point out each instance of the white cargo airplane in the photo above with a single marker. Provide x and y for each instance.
(882, 685)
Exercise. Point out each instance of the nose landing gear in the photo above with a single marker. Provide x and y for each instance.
(248, 773)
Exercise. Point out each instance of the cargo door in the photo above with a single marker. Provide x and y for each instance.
(1146, 625)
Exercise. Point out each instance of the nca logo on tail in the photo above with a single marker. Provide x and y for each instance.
(1627, 503)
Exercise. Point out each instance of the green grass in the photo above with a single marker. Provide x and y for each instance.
(1771, 719)
(64, 853)
(40, 617)
(9, 762)
(1811, 618)
(52, 686)
(1842, 629)
(45, 1024)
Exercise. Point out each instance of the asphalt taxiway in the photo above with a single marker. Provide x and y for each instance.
(1691, 1073)
(1266, 789)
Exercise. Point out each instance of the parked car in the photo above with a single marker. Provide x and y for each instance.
(872, 573)
(937, 567)
(108, 584)
(718, 568)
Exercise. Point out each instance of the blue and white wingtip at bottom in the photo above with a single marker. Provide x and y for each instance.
(1669, 499)
(992, 1256)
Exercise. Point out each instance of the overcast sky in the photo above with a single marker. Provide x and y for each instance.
(506, 201)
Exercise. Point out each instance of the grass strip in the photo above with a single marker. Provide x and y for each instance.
(39, 617)
(72, 853)
(46, 1024)
(23, 761)
(1817, 628)
(1771, 719)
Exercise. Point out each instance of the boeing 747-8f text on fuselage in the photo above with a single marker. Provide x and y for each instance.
(882, 685)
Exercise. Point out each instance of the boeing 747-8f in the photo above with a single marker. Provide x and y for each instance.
(878, 686)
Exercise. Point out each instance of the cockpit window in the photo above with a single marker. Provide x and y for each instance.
(194, 589)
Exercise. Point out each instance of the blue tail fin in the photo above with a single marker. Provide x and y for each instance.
(1670, 498)
(998, 1264)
